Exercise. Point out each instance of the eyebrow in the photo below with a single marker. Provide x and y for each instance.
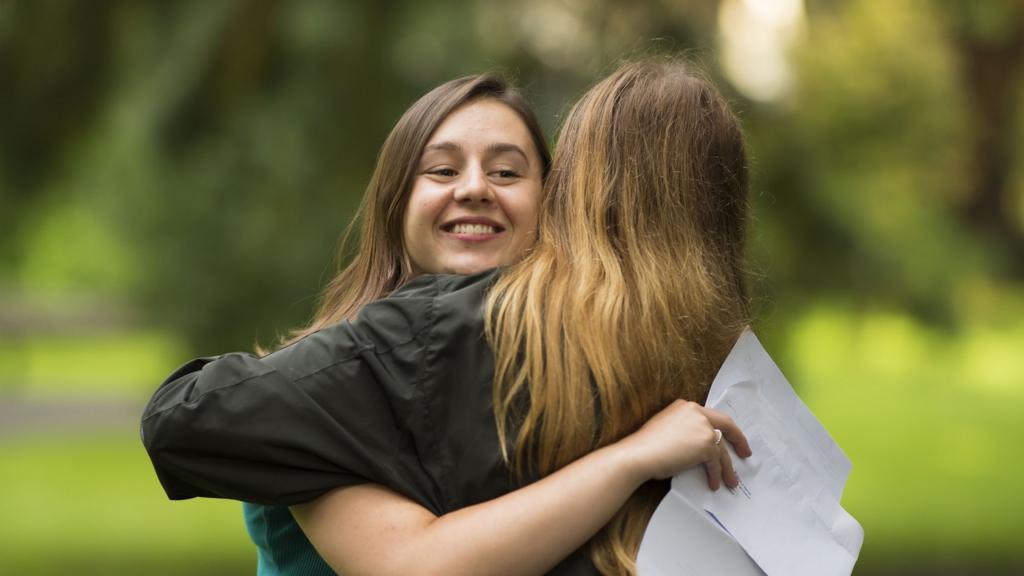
(492, 149)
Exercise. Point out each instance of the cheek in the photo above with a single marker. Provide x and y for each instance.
(417, 218)
(526, 208)
(416, 241)
(415, 226)
(408, 224)
(423, 209)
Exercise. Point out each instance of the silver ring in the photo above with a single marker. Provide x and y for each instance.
(718, 436)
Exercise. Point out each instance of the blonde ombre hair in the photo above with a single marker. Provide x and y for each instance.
(634, 292)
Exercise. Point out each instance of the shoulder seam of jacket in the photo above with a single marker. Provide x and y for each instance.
(429, 324)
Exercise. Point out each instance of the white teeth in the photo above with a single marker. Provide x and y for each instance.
(473, 229)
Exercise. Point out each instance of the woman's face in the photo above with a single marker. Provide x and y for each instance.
(474, 200)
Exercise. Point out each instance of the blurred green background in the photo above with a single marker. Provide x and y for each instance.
(174, 177)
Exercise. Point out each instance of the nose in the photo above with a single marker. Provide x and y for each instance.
(473, 186)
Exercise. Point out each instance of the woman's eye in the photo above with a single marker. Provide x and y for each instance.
(442, 172)
(506, 174)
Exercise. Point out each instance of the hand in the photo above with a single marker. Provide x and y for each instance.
(683, 435)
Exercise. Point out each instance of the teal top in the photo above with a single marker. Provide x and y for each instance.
(282, 549)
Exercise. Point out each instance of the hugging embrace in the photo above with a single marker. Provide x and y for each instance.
(516, 358)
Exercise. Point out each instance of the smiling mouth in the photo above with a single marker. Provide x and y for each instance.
(465, 228)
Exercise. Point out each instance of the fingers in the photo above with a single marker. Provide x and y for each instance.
(730, 431)
(713, 467)
(728, 472)
(665, 452)
(719, 468)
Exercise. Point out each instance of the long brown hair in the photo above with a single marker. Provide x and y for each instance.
(634, 292)
(380, 264)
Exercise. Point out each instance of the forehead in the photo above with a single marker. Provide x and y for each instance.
(484, 121)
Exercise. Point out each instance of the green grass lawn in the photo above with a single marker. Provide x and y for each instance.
(107, 364)
(932, 425)
(91, 504)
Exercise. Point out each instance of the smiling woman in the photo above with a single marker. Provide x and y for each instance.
(456, 189)
(473, 204)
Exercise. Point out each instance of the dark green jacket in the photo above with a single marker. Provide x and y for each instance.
(401, 397)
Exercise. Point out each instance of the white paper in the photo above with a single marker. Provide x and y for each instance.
(681, 539)
(785, 517)
(749, 363)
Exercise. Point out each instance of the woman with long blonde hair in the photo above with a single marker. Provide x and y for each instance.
(619, 315)
(634, 292)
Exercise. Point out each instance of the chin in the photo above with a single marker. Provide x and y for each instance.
(469, 268)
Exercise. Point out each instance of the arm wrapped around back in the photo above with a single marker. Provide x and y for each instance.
(342, 406)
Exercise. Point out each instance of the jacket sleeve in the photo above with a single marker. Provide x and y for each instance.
(339, 407)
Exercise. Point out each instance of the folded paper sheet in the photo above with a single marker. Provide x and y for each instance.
(785, 517)
(684, 540)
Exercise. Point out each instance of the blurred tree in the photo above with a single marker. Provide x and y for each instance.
(200, 159)
(989, 41)
(864, 171)
(54, 65)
